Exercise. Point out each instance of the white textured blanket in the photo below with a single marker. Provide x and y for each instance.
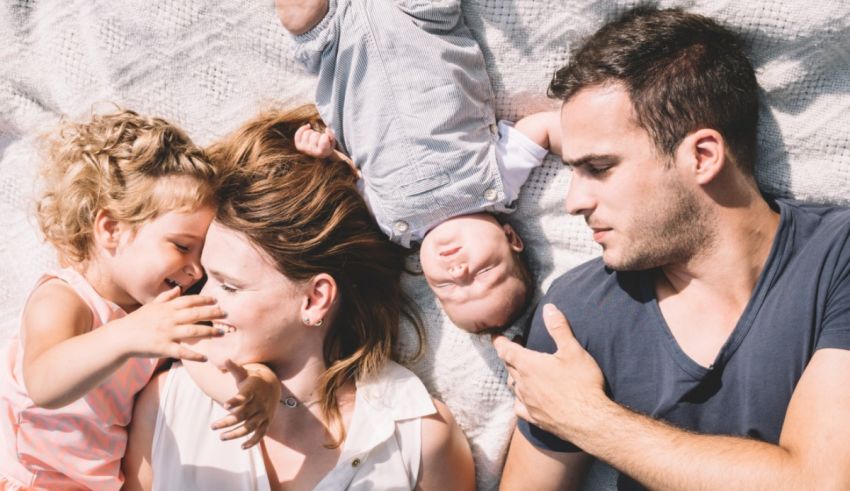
(209, 65)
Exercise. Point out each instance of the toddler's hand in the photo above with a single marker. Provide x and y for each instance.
(156, 329)
(254, 406)
(314, 143)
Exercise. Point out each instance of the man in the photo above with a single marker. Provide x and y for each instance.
(708, 347)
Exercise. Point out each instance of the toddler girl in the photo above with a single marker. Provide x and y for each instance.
(127, 203)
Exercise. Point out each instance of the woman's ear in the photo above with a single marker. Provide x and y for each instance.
(514, 240)
(107, 230)
(319, 300)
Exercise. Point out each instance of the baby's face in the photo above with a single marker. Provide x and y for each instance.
(470, 264)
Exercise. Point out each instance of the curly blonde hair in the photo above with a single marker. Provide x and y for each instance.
(134, 167)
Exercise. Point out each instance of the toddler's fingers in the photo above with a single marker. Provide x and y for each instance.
(189, 301)
(191, 315)
(196, 331)
(236, 417)
(238, 400)
(314, 139)
(225, 422)
(167, 295)
(238, 373)
(300, 132)
(258, 435)
(236, 433)
(324, 144)
(183, 353)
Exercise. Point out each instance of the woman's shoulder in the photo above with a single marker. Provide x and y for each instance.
(446, 457)
(396, 389)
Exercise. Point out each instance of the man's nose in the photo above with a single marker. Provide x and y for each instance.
(579, 200)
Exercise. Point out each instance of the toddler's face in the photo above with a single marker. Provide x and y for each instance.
(470, 264)
(160, 254)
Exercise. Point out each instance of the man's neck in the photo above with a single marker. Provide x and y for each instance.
(728, 269)
(718, 282)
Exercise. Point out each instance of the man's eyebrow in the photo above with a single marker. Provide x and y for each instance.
(592, 159)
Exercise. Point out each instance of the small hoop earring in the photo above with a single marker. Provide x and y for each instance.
(306, 321)
(319, 322)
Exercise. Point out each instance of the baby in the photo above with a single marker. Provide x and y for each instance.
(403, 88)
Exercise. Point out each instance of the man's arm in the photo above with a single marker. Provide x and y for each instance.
(532, 468)
(563, 394)
(299, 16)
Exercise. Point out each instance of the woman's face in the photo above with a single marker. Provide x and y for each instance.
(262, 305)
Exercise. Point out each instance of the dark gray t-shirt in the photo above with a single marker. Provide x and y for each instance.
(801, 303)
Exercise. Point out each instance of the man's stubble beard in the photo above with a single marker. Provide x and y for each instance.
(677, 229)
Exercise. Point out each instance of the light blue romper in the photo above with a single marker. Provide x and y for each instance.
(404, 86)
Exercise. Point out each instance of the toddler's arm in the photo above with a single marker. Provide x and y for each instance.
(64, 358)
(543, 128)
(299, 16)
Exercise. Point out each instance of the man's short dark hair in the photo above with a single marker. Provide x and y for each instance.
(682, 71)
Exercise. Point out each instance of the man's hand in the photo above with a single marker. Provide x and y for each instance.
(554, 391)
(254, 406)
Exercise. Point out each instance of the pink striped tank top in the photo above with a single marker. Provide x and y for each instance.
(81, 445)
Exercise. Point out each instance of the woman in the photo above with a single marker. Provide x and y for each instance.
(311, 289)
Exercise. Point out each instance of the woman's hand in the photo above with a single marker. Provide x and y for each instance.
(252, 409)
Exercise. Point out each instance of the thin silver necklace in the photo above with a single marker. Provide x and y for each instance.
(291, 402)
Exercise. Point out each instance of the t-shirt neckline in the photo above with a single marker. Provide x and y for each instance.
(745, 322)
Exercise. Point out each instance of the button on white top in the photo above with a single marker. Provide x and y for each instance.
(491, 195)
(400, 226)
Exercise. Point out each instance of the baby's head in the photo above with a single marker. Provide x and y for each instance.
(126, 171)
(473, 265)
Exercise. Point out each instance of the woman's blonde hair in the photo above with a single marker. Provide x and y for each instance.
(308, 216)
(134, 167)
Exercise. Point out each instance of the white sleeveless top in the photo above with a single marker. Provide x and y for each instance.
(382, 449)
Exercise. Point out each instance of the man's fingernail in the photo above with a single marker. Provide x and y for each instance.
(548, 309)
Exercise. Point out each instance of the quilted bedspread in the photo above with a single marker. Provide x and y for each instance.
(210, 64)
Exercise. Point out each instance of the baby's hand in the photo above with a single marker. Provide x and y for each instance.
(254, 406)
(155, 330)
(314, 143)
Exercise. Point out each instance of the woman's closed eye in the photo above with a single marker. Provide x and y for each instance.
(227, 288)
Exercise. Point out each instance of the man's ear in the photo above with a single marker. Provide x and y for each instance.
(705, 153)
(514, 240)
(319, 299)
(107, 230)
